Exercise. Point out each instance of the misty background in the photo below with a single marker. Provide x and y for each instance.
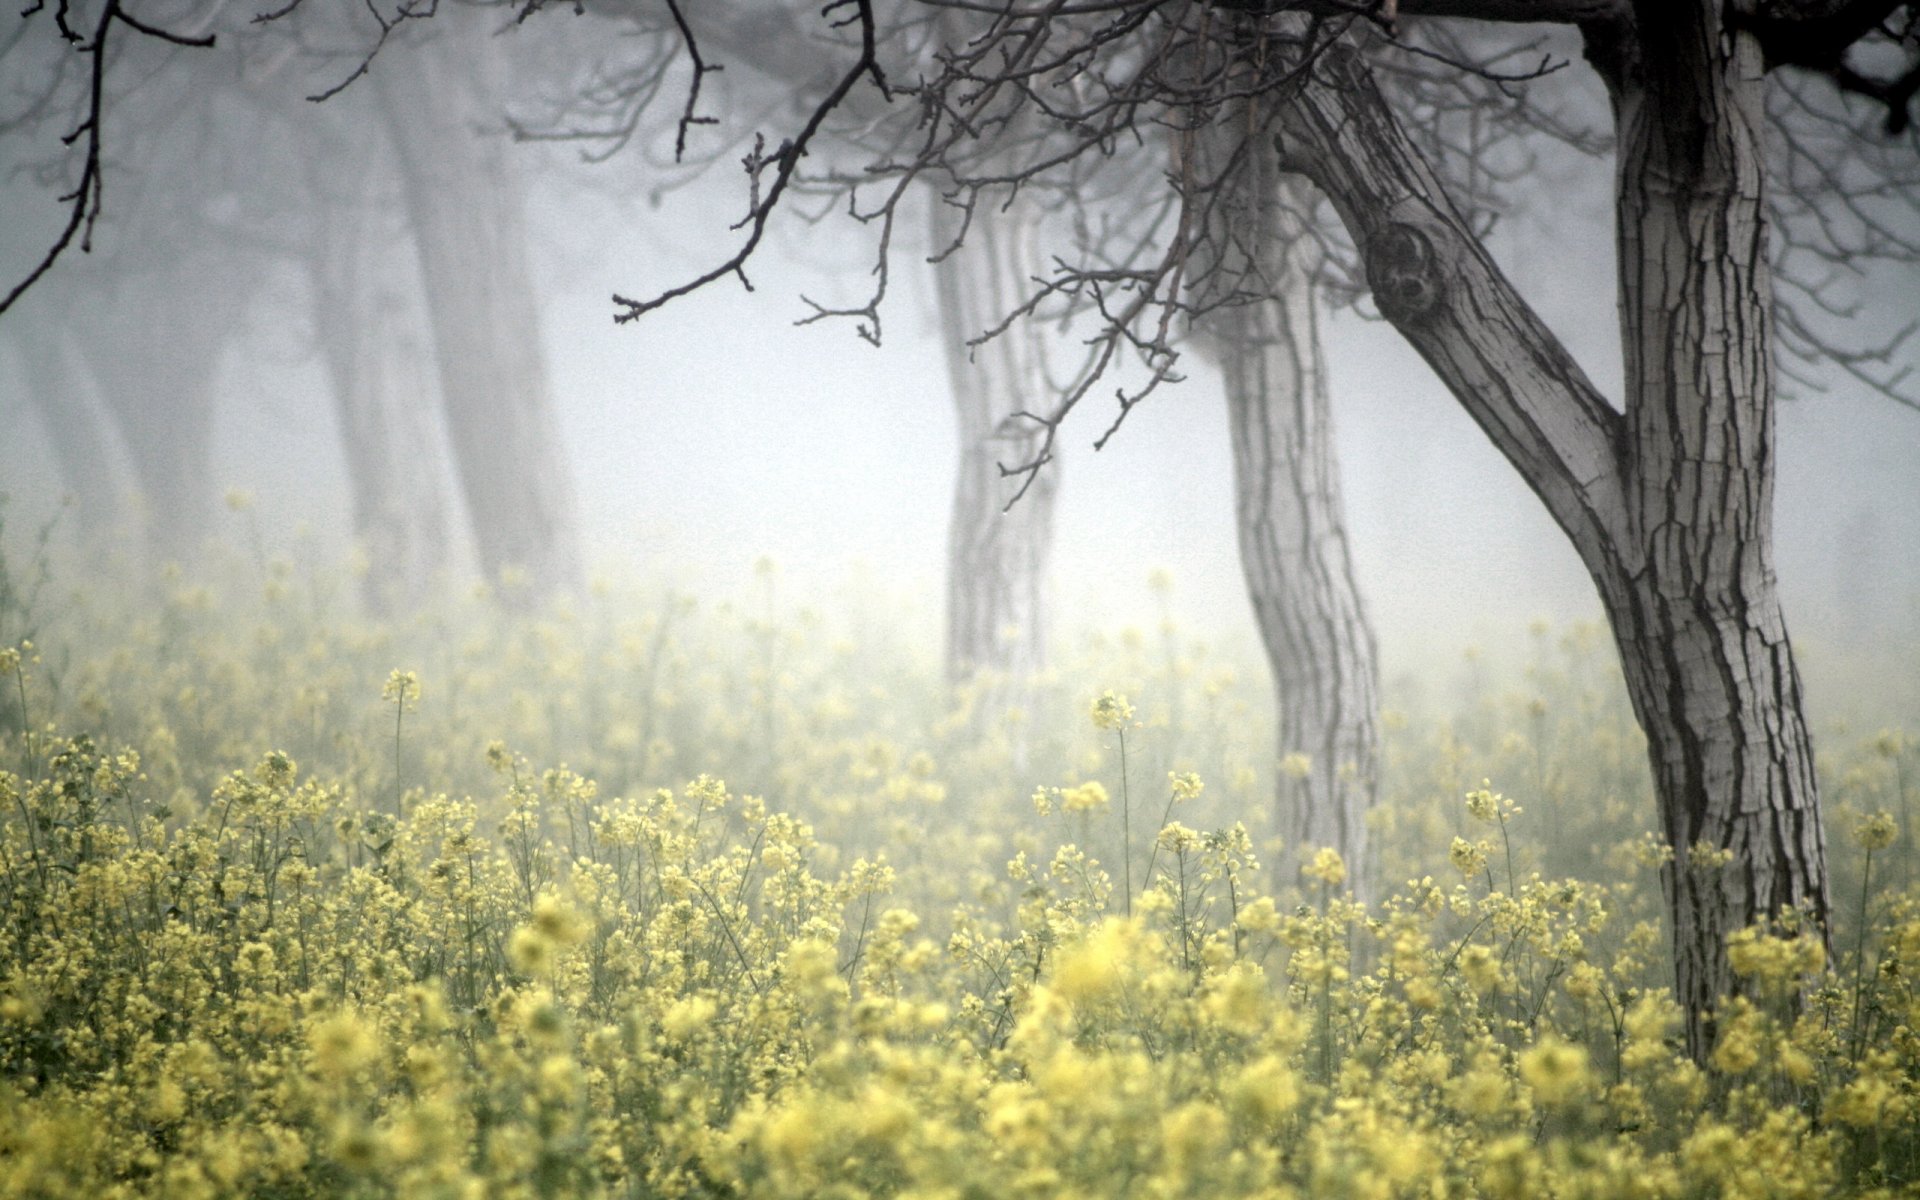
(715, 432)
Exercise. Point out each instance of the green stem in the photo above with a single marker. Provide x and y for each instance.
(1126, 827)
(1859, 955)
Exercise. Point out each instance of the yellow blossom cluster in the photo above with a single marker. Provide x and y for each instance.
(867, 969)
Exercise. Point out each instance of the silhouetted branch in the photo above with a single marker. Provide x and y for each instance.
(785, 161)
(84, 200)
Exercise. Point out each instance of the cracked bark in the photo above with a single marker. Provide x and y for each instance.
(1289, 514)
(1668, 503)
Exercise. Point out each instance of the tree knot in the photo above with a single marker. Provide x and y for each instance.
(1401, 270)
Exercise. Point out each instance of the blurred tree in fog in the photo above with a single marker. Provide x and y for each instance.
(220, 180)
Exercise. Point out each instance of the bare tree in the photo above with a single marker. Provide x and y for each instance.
(81, 436)
(1667, 497)
(996, 555)
(378, 363)
(468, 219)
(465, 222)
(1668, 501)
(1288, 508)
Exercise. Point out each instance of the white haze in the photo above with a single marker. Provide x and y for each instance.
(716, 431)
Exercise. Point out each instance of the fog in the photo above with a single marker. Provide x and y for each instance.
(717, 431)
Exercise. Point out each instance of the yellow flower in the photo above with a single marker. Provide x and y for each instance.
(1098, 965)
(557, 921)
(1296, 766)
(1176, 838)
(1555, 1070)
(687, 1017)
(1481, 968)
(1326, 866)
(1088, 797)
(530, 953)
(402, 688)
(1186, 785)
(1469, 858)
(1265, 1091)
(1191, 1134)
(1876, 832)
(342, 1044)
(1111, 711)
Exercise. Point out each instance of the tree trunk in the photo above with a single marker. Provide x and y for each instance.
(378, 371)
(996, 557)
(1287, 502)
(154, 353)
(1698, 617)
(469, 229)
(79, 434)
(1668, 505)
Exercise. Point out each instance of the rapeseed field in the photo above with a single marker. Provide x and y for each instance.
(643, 896)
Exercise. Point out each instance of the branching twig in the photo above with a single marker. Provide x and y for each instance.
(84, 200)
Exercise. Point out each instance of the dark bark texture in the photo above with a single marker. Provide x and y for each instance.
(1289, 514)
(1667, 503)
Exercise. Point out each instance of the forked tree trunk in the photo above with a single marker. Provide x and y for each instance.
(1695, 611)
(378, 369)
(1668, 504)
(996, 556)
(1287, 505)
(469, 229)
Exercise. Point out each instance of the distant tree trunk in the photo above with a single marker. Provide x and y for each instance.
(469, 228)
(380, 388)
(1262, 264)
(80, 435)
(1669, 504)
(996, 557)
(154, 352)
(1293, 546)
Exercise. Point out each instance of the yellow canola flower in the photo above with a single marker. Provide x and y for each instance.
(688, 1016)
(343, 1044)
(1100, 965)
(1327, 867)
(1191, 1135)
(557, 921)
(1556, 1071)
(1469, 858)
(1111, 711)
(1088, 797)
(1875, 832)
(402, 688)
(1265, 1091)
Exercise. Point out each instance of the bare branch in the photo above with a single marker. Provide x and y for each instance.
(785, 161)
(84, 200)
